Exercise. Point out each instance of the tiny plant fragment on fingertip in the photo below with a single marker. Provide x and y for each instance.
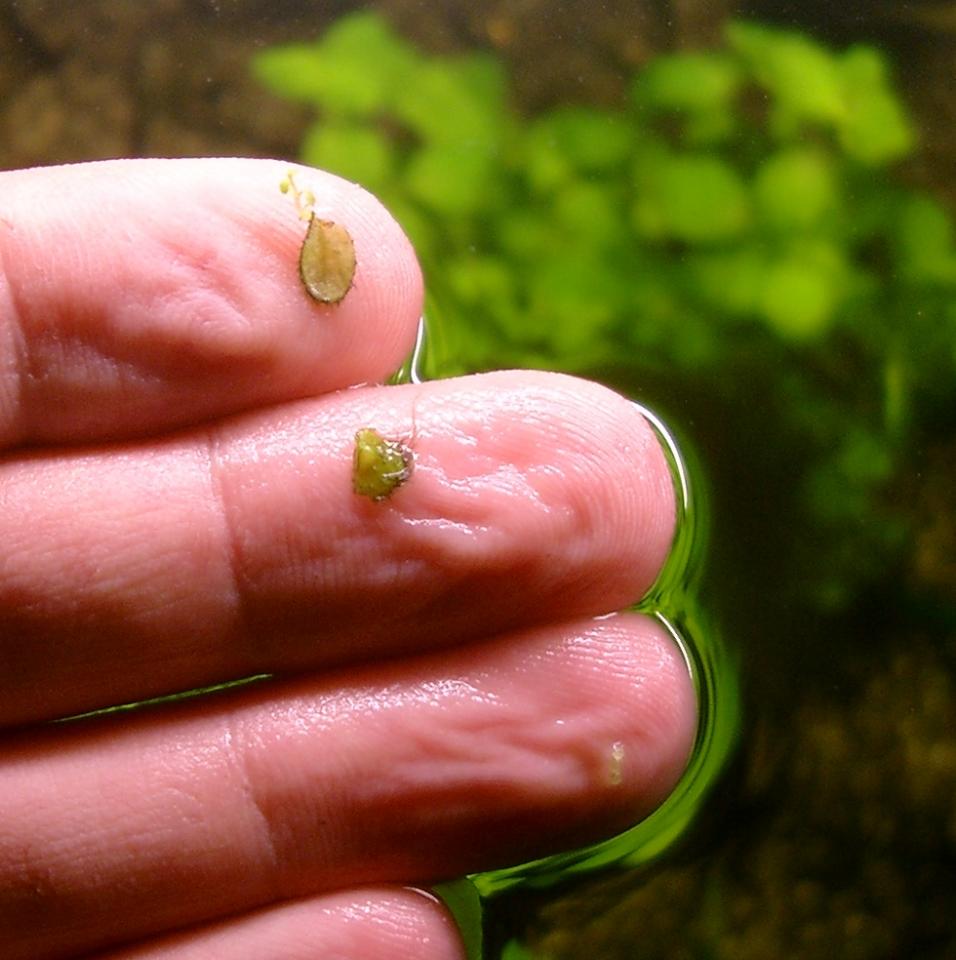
(327, 260)
(327, 254)
(304, 200)
(379, 466)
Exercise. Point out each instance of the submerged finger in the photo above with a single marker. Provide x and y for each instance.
(134, 572)
(140, 295)
(407, 772)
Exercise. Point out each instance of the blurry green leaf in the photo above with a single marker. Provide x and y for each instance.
(691, 82)
(802, 291)
(589, 140)
(481, 280)
(590, 214)
(455, 101)
(572, 299)
(525, 232)
(655, 305)
(700, 87)
(731, 281)
(698, 198)
(843, 483)
(353, 70)
(803, 77)
(874, 128)
(845, 491)
(451, 180)
(545, 166)
(292, 71)
(794, 188)
(356, 151)
(925, 243)
(663, 328)
(798, 301)
(709, 127)
(864, 457)
(850, 94)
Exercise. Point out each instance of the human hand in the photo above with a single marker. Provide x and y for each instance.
(177, 419)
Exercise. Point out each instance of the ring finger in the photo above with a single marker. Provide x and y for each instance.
(127, 826)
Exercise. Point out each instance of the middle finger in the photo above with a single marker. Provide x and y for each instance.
(136, 571)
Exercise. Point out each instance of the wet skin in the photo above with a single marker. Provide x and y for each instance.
(452, 689)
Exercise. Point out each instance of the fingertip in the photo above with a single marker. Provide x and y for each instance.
(376, 321)
(663, 701)
(143, 295)
(374, 923)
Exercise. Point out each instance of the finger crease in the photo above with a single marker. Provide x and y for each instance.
(238, 754)
(230, 539)
(14, 374)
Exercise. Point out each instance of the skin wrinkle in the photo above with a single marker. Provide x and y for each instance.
(210, 306)
(304, 818)
(241, 620)
(476, 747)
(453, 530)
(11, 413)
(584, 770)
(119, 583)
(347, 717)
(59, 342)
(478, 752)
(411, 508)
(237, 756)
(509, 469)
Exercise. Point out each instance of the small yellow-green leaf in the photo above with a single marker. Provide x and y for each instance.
(691, 82)
(698, 198)
(795, 187)
(327, 260)
(379, 466)
(875, 128)
(801, 294)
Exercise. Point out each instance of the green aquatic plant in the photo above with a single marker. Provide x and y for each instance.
(379, 466)
(735, 225)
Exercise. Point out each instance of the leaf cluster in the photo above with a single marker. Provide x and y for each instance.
(738, 214)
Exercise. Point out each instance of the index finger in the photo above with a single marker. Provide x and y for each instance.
(138, 296)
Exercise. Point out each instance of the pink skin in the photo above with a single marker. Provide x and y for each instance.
(446, 699)
(137, 297)
(241, 548)
(377, 922)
